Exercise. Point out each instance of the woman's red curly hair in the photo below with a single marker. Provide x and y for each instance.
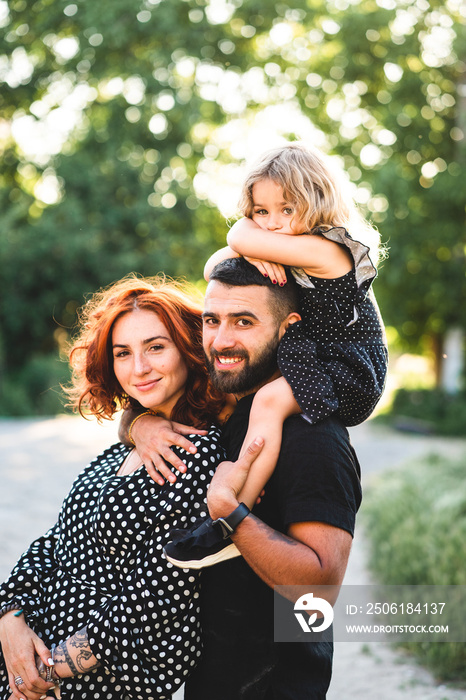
(179, 307)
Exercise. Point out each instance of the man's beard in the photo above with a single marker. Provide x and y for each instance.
(252, 376)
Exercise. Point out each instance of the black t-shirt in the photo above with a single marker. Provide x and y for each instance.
(317, 478)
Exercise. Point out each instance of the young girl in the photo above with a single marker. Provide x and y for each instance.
(334, 360)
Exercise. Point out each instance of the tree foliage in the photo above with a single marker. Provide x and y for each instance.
(108, 110)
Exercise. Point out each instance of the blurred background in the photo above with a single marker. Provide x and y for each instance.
(125, 127)
(124, 130)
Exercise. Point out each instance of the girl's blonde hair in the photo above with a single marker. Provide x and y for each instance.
(316, 190)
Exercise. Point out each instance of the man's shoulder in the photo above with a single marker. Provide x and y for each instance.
(317, 475)
(324, 443)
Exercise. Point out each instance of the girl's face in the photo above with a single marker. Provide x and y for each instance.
(270, 210)
(146, 361)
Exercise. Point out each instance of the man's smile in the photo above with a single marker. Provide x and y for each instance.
(228, 359)
(224, 360)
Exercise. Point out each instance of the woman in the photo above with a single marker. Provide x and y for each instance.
(123, 619)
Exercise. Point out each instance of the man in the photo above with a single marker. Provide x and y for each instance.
(300, 533)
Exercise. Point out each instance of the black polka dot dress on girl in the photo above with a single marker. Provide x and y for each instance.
(102, 566)
(335, 358)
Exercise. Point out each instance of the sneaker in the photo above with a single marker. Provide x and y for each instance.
(200, 546)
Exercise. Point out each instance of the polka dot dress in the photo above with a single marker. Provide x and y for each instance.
(335, 358)
(102, 566)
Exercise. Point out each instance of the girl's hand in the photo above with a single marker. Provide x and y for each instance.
(274, 271)
(154, 437)
(20, 646)
(260, 497)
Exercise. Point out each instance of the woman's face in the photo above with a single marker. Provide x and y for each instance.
(146, 361)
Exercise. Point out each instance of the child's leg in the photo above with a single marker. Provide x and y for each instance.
(203, 544)
(272, 404)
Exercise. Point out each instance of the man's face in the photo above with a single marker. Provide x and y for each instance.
(241, 337)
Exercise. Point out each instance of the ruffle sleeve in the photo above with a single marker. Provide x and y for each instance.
(362, 276)
(365, 270)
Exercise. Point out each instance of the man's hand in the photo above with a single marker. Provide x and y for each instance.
(310, 553)
(229, 479)
(154, 437)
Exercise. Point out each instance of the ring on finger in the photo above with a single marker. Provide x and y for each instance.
(18, 680)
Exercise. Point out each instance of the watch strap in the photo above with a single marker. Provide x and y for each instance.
(229, 524)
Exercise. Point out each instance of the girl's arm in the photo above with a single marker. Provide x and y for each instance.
(218, 257)
(275, 272)
(271, 406)
(315, 254)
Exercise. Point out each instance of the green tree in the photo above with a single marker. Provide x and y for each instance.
(135, 93)
(385, 80)
(125, 86)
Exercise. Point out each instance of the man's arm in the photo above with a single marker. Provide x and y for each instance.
(311, 553)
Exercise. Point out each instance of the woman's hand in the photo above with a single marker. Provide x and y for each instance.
(154, 437)
(274, 271)
(20, 646)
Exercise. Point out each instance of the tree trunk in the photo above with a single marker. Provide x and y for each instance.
(448, 349)
(438, 340)
(453, 360)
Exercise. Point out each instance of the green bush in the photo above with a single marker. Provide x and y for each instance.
(430, 410)
(35, 389)
(416, 524)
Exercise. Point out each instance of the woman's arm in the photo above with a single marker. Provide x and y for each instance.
(23, 589)
(74, 656)
(314, 253)
(21, 648)
(23, 586)
(218, 257)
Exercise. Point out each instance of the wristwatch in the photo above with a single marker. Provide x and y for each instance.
(229, 524)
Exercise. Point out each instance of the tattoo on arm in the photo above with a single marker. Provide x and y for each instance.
(80, 642)
(62, 654)
(275, 535)
(84, 657)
